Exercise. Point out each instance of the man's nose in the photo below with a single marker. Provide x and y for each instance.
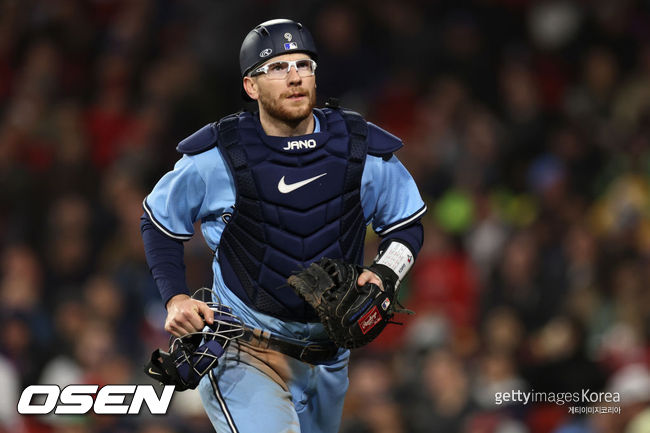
(293, 76)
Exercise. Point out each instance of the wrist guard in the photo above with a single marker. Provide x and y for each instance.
(393, 262)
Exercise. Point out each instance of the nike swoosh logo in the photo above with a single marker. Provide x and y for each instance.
(155, 373)
(285, 189)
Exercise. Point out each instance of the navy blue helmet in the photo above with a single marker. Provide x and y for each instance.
(274, 38)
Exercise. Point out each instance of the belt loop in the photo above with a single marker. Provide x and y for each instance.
(266, 336)
(257, 341)
(261, 338)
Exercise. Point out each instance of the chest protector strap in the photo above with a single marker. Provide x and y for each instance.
(268, 237)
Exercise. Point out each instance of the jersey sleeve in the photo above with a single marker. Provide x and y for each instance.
(175, 202)
(389, 195)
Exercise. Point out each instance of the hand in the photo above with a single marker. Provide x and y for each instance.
(185, 315)
(369, 277)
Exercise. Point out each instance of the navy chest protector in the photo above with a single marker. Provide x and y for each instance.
(298, 199)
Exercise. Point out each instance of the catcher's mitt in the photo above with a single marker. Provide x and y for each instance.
(353, 315)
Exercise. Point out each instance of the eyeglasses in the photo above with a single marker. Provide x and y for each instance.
(279, 70)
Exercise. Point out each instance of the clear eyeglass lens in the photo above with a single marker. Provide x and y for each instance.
(280, 70)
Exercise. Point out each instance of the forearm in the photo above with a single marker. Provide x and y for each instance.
(165, 259)
(412, 236)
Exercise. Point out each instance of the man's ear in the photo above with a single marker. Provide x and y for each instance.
(250, 86)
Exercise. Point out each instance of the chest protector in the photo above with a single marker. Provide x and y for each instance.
(298, 199)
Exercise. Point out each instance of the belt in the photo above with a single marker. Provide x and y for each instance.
(311, 353)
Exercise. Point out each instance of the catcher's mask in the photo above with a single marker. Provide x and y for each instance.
(193, 355)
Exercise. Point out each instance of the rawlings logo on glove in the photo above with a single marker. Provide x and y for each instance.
(353, 315)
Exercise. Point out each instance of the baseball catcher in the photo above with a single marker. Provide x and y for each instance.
(275, 188)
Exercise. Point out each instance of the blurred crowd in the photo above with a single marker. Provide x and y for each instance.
(527, 128)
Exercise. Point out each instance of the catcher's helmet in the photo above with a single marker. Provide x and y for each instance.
(273, 38)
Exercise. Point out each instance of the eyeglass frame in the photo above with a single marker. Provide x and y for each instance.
(265, 69)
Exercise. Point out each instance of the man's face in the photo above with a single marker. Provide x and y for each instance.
(291, 99)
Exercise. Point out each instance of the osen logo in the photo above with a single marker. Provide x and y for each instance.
(300, 144)
(81, 399)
